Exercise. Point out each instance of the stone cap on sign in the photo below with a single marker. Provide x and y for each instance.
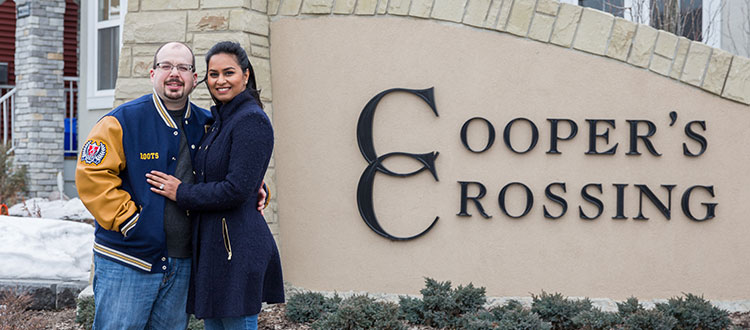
(584, 29)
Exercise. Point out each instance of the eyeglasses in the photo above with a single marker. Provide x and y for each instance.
(180, 67)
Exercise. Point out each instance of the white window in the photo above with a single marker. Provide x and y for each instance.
(614, 7)
(105, 19)
(681, 17)
(698, 20)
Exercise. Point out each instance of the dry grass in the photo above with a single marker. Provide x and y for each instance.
(14, 313)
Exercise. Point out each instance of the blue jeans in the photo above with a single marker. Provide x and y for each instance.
(232, 323)
(127, 298)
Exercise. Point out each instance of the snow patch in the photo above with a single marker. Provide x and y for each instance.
(39, 248)
(58, 209)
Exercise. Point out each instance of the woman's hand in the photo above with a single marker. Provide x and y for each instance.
(163, 184)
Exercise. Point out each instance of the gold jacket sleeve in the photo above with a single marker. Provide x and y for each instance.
(99, 186)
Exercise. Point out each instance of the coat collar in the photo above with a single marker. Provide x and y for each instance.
(223, 111)
(162, 110)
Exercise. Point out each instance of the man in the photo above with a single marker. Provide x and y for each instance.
(142, 240)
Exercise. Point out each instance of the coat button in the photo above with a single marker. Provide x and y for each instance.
(192, 146)
(174, 158)
(187, 212)
(193, 172)
(175, 133)
(163, 258)
(164, 267)
(201, 147)
(186, 122)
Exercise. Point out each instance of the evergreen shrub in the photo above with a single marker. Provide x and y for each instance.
(85, 312)
(440, 305)
(650, 320)
(514, 316)
(628, 307)
(695, 312)
(410, 309)
(195, 324)
(361, 312)
(481, 320)
(462, 308)
(558, 310)
(308, 306)
(597, 320)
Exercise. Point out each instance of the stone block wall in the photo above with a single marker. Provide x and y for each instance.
(200, 24)
(565, 25)
(40, 102)
(45, 294)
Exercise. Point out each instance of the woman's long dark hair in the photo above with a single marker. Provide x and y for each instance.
(233, 48)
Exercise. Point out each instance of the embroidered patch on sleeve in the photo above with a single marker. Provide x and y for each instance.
(93, 152)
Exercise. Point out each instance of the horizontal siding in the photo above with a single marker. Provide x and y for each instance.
(70, 39)
(8, 37)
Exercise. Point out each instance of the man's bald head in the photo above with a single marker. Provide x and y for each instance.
(173, 44)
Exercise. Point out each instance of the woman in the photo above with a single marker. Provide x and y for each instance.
(236, 263)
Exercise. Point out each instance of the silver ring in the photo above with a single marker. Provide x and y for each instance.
(161, 187)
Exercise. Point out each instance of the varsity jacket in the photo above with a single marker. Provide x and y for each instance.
(131, 140)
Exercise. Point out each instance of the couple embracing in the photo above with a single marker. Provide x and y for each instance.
(177, 193)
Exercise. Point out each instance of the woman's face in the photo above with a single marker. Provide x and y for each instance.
(225, 77)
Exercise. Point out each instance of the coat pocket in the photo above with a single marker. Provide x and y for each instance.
(126, 229)
(225, 235)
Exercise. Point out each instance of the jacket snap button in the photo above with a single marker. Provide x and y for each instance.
(175, 133)
(193, 172)
(186, 122)
(164, 267)
(174, 158)
(192, 146)
(163, 258)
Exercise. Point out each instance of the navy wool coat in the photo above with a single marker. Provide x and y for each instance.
(236, 263)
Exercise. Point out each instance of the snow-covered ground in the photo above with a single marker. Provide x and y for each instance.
(46, 248)
(59, 209)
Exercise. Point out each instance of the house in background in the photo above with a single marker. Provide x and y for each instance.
(39, 110)
(38, 89)
(721, 24)
(59, 66)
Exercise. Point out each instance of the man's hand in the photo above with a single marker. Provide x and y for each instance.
(261, 198)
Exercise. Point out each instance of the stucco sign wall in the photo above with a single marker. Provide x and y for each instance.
(545, 167)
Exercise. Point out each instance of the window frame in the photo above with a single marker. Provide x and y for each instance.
(100, 99)
(625, 4)
(711, 11)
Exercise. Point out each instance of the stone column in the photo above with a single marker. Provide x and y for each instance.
(40, 100)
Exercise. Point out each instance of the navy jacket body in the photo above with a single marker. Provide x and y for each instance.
(236, 263)
(128, 142)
